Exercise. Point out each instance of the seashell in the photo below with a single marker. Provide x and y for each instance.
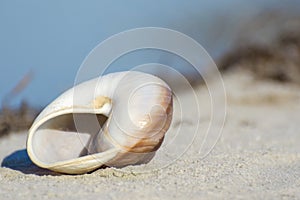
(116, 120)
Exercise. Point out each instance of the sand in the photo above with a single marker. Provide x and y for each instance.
(256, 157)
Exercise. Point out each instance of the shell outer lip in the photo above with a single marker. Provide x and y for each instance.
(91, 162)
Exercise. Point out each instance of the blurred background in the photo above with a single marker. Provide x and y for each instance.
(43, 43)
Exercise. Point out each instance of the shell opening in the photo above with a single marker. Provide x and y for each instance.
(66, 136)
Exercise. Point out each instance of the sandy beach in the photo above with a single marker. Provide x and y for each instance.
(256, 157)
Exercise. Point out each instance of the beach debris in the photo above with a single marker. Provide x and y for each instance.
(16, 119)
(269, 47)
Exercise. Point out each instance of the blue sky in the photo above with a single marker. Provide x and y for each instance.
(52, 38)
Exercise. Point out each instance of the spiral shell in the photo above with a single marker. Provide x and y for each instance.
(116, 120)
